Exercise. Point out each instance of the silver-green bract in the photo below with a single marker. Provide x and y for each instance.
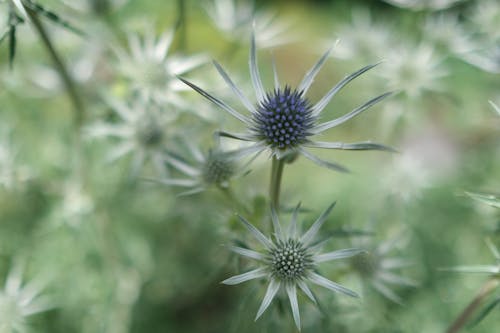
(18, 302)
(212, 169)
(493, 269)
(289, 261)
(283, 120)
(379, 268)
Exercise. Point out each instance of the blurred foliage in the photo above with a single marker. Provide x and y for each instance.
(123, 254)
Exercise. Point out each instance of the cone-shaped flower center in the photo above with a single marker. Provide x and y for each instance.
(283, 119)
(217, 169)
(290, 260)
(149, 133)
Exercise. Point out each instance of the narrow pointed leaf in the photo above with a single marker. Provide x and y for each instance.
(256, 233)
(307, 238)
(329, 95)
(350, 146)
(244, 100)
(217, 102)
(323, 163)
(254, 70)
(340, 120)
(324, 282)
(247, 252)
(291, 290)
(237, 279)
(340, 254)
(308, 79)
(271, 291)
(303, 286)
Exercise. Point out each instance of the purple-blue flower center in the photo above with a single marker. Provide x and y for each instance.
(283, 119)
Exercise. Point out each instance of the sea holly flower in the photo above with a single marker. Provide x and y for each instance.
(141, 130)
(413, 70)
(283, 120)
(363, 37)
(289, 261)
(19, 301)
(150, 69)
(235, 19)
(212, 169)
(485, 58)
(378, 268)
(448, 34)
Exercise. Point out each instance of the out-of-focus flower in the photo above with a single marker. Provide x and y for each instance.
(485, 58)
(290, 261)
(377, 267)
(74, 205)
(11, 173)
(151, 71)
(486, 17)
(426, 158)
(447, 34)
(363, 38)
(413, 70)
(424, 4)
(283, 120)
(235, 19)
(18, 302)
(213, 169)
(141, 130)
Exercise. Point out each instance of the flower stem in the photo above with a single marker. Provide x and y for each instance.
(68, 82)
(60, 67)
(275, 183)
(486, 290)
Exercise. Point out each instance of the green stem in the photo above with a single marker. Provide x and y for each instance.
(275, 183)
(60, 67)
(181, 24)
(68, 82)
(464, 317)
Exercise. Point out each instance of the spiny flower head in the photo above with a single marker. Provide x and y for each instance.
(151, 70)
(289, 260)
(214, 168)
(234, 19)
(141, 130)
(379, 268)
(18, 302)
(283, 120)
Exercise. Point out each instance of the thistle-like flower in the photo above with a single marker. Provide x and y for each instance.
(283, 120)
(234, 19)
(11, 173)
(447, 34)
(18, 302)
(413, 70)
(212, 169)
(289, 261)
(376, 267)
(363, 38)
(151, 71)
(142, 131)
